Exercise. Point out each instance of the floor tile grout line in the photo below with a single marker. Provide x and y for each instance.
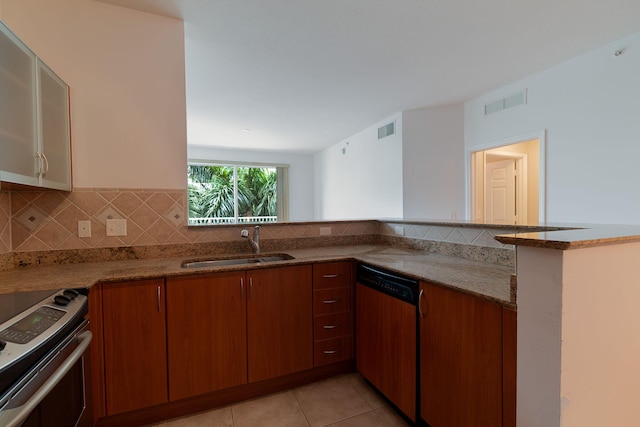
(293, 391)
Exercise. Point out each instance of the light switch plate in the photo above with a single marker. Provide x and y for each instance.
(116, 227)
(325, 231)
(84, 228)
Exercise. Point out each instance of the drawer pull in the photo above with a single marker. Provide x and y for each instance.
(331, 301)
(331, 351)
(332, 326)
(330, 276)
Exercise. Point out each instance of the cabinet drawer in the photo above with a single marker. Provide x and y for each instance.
(331, 275)
(333, 300)
(332, 326)
(334, 350)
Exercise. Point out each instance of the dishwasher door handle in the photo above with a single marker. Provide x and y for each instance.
(420, 296)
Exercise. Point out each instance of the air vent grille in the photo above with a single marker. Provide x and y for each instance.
(386, 130)
(519, 98)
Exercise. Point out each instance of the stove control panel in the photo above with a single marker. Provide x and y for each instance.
(32, 325)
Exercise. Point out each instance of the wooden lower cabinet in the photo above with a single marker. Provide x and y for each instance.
(332, 312)
(461, 367)
(509, 362)
(381, 320)
(279, 321)
(206, 333)
(135, 346)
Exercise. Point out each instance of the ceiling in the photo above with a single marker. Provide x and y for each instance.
(301, 75)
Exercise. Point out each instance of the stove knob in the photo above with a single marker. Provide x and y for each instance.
(71, 293)
(61, 300)
(3, 344)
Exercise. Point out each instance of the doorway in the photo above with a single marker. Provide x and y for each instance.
(506, 183)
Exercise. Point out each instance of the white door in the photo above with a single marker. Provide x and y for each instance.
(500, 192)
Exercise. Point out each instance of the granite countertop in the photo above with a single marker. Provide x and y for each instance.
(486, 280)
(575, 237)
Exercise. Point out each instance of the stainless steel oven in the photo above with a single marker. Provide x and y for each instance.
(43, 338)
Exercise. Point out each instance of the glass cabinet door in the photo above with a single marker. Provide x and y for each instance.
(54, 129)
(18, 125)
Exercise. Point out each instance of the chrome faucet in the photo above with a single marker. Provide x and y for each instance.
(255, 241)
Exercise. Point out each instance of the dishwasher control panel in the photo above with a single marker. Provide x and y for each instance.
(389, 283)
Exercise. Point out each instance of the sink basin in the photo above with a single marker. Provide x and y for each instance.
(244, 259)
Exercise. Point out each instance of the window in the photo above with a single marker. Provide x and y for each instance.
(236, 194)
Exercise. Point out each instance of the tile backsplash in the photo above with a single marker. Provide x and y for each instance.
(48, 220)
(465, 235)
(5, 222)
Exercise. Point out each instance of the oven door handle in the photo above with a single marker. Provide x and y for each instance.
(16, 416)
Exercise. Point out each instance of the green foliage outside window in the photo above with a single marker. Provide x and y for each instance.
(211, 191)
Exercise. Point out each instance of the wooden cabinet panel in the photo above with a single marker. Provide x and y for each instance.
(135, 347)
(332, 300)
(378, 317)
(332, 275)
(279, 321)
(509, 363)
(332, 350)
(460, 359)
(332, 325)
(206, 333)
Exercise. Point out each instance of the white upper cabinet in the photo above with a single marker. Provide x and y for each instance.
(54, 129)
(34, 119)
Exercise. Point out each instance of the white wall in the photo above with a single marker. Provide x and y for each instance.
(589, 108)
(126, 75)
(433, 162)
(300, 173)
(365, 181)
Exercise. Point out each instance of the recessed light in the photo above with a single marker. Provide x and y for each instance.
(246, 130)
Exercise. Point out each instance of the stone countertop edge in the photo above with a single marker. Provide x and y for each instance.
(488, 281)
(577, 238)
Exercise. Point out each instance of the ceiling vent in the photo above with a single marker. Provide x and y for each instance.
(386, 130)
(519, 98)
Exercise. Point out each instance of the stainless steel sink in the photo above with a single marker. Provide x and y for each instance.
(244, 259)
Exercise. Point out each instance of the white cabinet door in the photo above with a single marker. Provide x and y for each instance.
(18, 124)
(35, 141)
(54, 129)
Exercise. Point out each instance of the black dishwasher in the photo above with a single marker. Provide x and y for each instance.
(386, 335)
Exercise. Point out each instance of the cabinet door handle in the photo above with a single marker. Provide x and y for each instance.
(39, 157)
(330, 276)
(332, 326)
(158, 298)
(331, 301)
(241, 288)
(250, 287)
(46, 164)
(420, 296)
(331, 351)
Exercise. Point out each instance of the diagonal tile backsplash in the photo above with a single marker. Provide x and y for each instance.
(48, 220)
(5, 222)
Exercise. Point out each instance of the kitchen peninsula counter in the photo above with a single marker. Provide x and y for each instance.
(483, 279)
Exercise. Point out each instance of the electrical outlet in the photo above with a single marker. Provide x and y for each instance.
(325, 231)
(84, 228)
(399, 230)
(116, 227)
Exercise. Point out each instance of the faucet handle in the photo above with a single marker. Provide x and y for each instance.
(244, 233)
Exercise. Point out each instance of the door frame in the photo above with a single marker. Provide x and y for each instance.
(469, 169)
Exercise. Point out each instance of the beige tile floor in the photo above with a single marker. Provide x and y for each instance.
(343, 401)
